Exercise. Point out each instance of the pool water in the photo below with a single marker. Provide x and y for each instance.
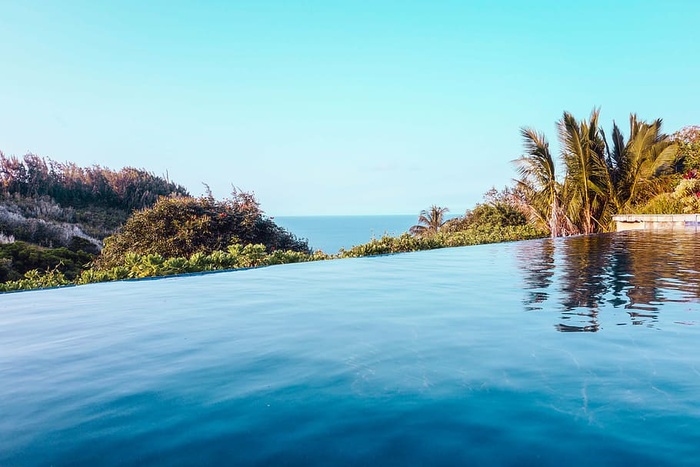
(578, 351)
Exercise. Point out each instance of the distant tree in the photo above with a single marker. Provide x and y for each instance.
(71, 185)
(430, 221)
(496, 215)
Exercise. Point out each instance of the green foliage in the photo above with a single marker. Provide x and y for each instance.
(184, 226)
(19, 258)
(35, 279)
(493, 216)
(475, 235)
(688, 141)
(504, 208)
(663, 203)
(236, 256)
(685, 197)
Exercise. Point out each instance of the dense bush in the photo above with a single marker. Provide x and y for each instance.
(183, 226)
(18, 258)
(688, 141)
(488, 215)
(684, 199)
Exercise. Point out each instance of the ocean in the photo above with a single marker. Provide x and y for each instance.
(331, 233)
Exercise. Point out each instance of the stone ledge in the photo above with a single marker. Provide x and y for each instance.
(656, 221)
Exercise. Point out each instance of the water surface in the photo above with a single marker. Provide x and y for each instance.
(579, 351)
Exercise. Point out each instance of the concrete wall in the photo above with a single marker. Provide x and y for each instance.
(656, 221)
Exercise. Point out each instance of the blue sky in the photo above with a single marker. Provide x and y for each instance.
(324, 107)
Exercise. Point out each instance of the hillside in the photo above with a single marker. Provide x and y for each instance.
(53, 204)
(59, 213)
(55, 219)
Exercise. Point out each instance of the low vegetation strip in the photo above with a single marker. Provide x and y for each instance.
(136, 266)
(473, 236)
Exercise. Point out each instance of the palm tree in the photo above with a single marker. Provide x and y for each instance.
(586, 186)
(429, 222)
(538, 179)
(633, 164)
(601, 178)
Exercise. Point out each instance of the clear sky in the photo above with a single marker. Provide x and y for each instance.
(333, 107)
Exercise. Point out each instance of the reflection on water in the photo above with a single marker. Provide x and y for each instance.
(585, 276)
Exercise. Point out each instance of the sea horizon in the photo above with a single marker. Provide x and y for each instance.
(330, 233)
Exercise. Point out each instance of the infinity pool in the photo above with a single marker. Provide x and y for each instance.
(579, 351)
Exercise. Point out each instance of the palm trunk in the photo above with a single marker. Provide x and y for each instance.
(553, 219)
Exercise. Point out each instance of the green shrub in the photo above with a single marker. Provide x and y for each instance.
(181, 227)
(685, 199)
(36, 279)
(18, 258)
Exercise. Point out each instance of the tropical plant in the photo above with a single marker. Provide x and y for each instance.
(633, 165)
(538, 180)
(601, 178)
(430, 221)
(586, 180)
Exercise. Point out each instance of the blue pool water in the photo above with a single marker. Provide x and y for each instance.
(579, 351)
